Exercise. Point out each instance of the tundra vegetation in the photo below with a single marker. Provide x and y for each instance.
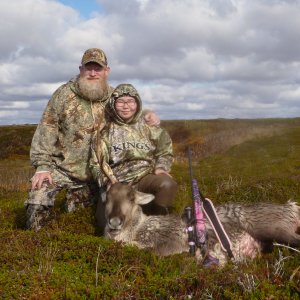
(245, 161)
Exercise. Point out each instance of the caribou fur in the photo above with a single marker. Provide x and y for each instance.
(252, 228)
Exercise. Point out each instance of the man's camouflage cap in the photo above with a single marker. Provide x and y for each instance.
(94, 55)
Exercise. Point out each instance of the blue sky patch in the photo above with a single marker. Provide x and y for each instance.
(84, 7)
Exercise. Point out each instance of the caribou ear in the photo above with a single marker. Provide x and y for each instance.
(143, 198)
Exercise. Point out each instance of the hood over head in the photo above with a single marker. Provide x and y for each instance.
(124, 89)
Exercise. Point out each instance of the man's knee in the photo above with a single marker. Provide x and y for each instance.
(44, 196)
(38, 207)
(81, 197)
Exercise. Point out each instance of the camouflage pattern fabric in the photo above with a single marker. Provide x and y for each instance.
(61, 145)
(39, 204)
(128, 151)
(62, 139)
(94, 55)
(37, 216)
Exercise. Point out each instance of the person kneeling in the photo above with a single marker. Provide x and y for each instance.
(128, 150)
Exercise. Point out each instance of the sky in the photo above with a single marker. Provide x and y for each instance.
(189, 59)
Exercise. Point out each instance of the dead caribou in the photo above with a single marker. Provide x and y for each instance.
(252, 228)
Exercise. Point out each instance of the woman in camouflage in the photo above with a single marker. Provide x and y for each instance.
(128, 150)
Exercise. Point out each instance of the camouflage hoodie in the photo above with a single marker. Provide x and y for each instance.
(127, 151)
(63, 137)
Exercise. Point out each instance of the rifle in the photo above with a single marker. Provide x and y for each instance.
(197, 234)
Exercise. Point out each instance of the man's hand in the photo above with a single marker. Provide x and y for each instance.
(151, 118)
(159, 171)
(38, 179)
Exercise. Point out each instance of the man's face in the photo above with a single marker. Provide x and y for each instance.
(93, 80)
(126, 107)
(93, 71)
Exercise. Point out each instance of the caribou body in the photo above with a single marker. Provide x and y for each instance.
(251, 228)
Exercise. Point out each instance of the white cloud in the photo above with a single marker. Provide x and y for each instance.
(291, 93)
(188, 58)
(8, 114)
(41, 89)
(14, 105)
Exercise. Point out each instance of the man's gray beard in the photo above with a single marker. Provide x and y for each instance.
(92, 89)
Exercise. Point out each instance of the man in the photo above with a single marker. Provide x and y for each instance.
(60, 147)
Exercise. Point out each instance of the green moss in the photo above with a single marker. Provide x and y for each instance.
(67, 260)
